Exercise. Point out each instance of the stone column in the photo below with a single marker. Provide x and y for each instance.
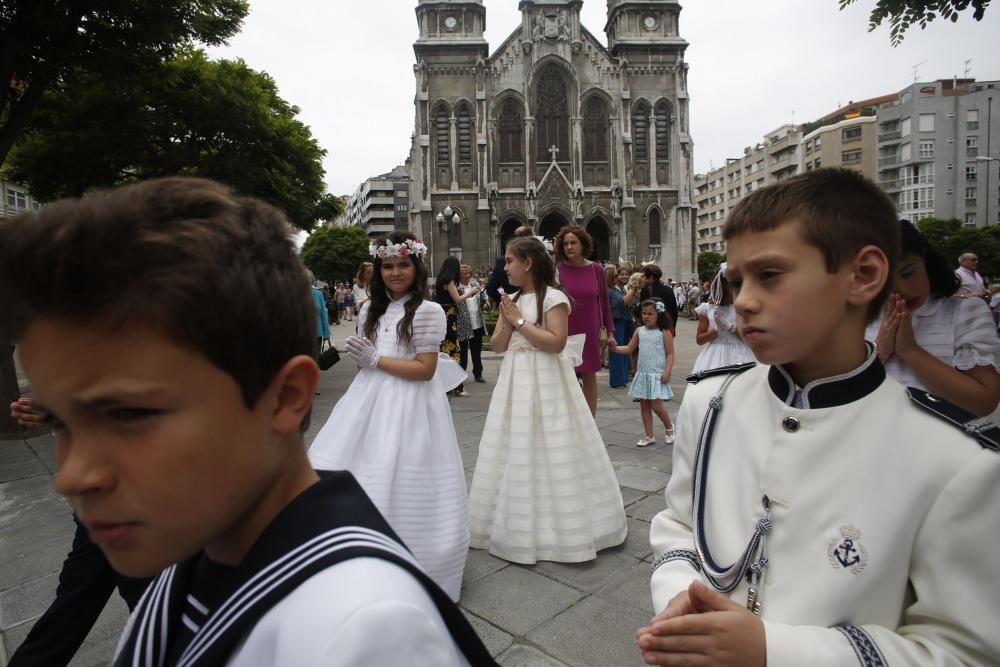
(529, 156)
(453, 140)
(576, 156)
(651, 138)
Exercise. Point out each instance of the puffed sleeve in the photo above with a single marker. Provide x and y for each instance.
(953, 619)
(429, 324)
(555, 297)
(675, 562)
(976, 342)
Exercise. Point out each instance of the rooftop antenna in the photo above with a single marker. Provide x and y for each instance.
(968, 68)
(916, 68)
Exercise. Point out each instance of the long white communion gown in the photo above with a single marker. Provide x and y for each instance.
(397, 437)
(544, 487)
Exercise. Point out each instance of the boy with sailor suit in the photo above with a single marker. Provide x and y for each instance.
(820, 513)
(179, 424)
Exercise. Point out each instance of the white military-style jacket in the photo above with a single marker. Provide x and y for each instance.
(869, 526)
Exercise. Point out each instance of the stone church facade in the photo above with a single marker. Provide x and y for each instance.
(553, 128)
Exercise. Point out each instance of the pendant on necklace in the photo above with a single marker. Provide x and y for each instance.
(386, 330)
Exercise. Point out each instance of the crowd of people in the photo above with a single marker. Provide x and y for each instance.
(848, 514)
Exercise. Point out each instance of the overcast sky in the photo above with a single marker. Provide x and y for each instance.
(754, 65)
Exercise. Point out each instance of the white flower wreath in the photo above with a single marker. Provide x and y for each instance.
(403, 249)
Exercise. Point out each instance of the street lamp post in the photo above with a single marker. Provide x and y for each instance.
(989, 195)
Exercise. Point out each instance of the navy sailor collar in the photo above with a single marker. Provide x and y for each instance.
(331, 521)
(832, 391)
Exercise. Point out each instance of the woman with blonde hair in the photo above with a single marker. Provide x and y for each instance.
(362, 285)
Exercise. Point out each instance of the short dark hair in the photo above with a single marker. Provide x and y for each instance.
(652, 271)
(942, 277)
(212, 271)
(840, 212)
(586, 241)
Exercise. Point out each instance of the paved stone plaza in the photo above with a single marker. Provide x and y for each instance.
(547, 614)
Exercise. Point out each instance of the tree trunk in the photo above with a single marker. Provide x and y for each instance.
(9, 392)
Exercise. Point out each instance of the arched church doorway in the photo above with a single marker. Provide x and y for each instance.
(507, 230)
(551, 224)
(599, 231)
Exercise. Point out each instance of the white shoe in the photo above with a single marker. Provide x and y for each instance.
(646, 442)
(668, 439)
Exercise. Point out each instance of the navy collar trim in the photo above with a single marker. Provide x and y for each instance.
(832, 391)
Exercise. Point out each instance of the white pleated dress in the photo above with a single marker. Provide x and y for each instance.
(397, 437)
(544, 487)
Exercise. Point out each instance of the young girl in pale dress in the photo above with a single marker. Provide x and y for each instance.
(392, 428)
(651, 384)
(544, 487)
(717, 329)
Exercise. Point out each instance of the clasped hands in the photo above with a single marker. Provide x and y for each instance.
(362, 351)
(700, 626)
(895, 334)
(509, 310)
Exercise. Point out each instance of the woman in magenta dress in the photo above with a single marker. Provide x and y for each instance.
(584, 282)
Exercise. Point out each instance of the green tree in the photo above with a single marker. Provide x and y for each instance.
(218, 119)
(44, 44)
(333, 254)
(938, 230)
(708, 264)
(904, 13)
(329, 207)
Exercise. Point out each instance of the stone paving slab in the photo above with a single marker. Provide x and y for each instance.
(501, 599)
(496, 640)
(571, 636)
(641, 479)
(591, 575)
(521, 655)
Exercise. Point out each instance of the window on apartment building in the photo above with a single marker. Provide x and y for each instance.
(970, 196)
(970, 219)
(972, 119)
(850, 134)
(850, 157)
(971, 173)
(818, 141)
(926, 122)
(17, 200)
(972, 146)
(925, 149)
(904, 127)
(402, 193)
(905, 152)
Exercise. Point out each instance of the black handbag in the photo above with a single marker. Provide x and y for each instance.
(328, 357)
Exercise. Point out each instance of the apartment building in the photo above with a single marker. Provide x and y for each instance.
(777, 157)
(381, 203)
(15, 200)
(939, 151)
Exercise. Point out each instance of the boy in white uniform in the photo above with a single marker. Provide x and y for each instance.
(819, 513)
(166, 328)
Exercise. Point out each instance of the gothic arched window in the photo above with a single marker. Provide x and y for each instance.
(442, 146)
(464, 134)
(510, 130)
(640, 143)
(664, 112)
(595, 131)
(654, 226)
(552, 117)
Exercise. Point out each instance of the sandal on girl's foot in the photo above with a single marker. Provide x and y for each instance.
(668, 439)
(646, 442)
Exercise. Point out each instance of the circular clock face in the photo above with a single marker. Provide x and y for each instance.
(451, 23)
(649, 22)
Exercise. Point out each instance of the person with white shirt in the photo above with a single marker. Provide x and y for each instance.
(474, 344)
(973, 284)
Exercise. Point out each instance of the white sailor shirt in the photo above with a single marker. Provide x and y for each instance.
(884, 522)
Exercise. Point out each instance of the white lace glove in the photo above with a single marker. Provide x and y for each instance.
(362, 352)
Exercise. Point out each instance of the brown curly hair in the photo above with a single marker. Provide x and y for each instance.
(586, 241)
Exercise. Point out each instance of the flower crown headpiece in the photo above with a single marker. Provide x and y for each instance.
(545, 242)
(402, 249)
(660, 308)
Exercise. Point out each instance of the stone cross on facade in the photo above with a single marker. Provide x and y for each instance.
(555, 151)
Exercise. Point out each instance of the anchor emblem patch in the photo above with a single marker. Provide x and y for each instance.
(846, 552)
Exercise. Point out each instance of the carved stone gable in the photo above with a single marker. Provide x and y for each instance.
(555, 187)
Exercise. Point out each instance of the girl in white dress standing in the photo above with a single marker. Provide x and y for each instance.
(392, 428)
(717, 329)
(544, 487)
(651, 384)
